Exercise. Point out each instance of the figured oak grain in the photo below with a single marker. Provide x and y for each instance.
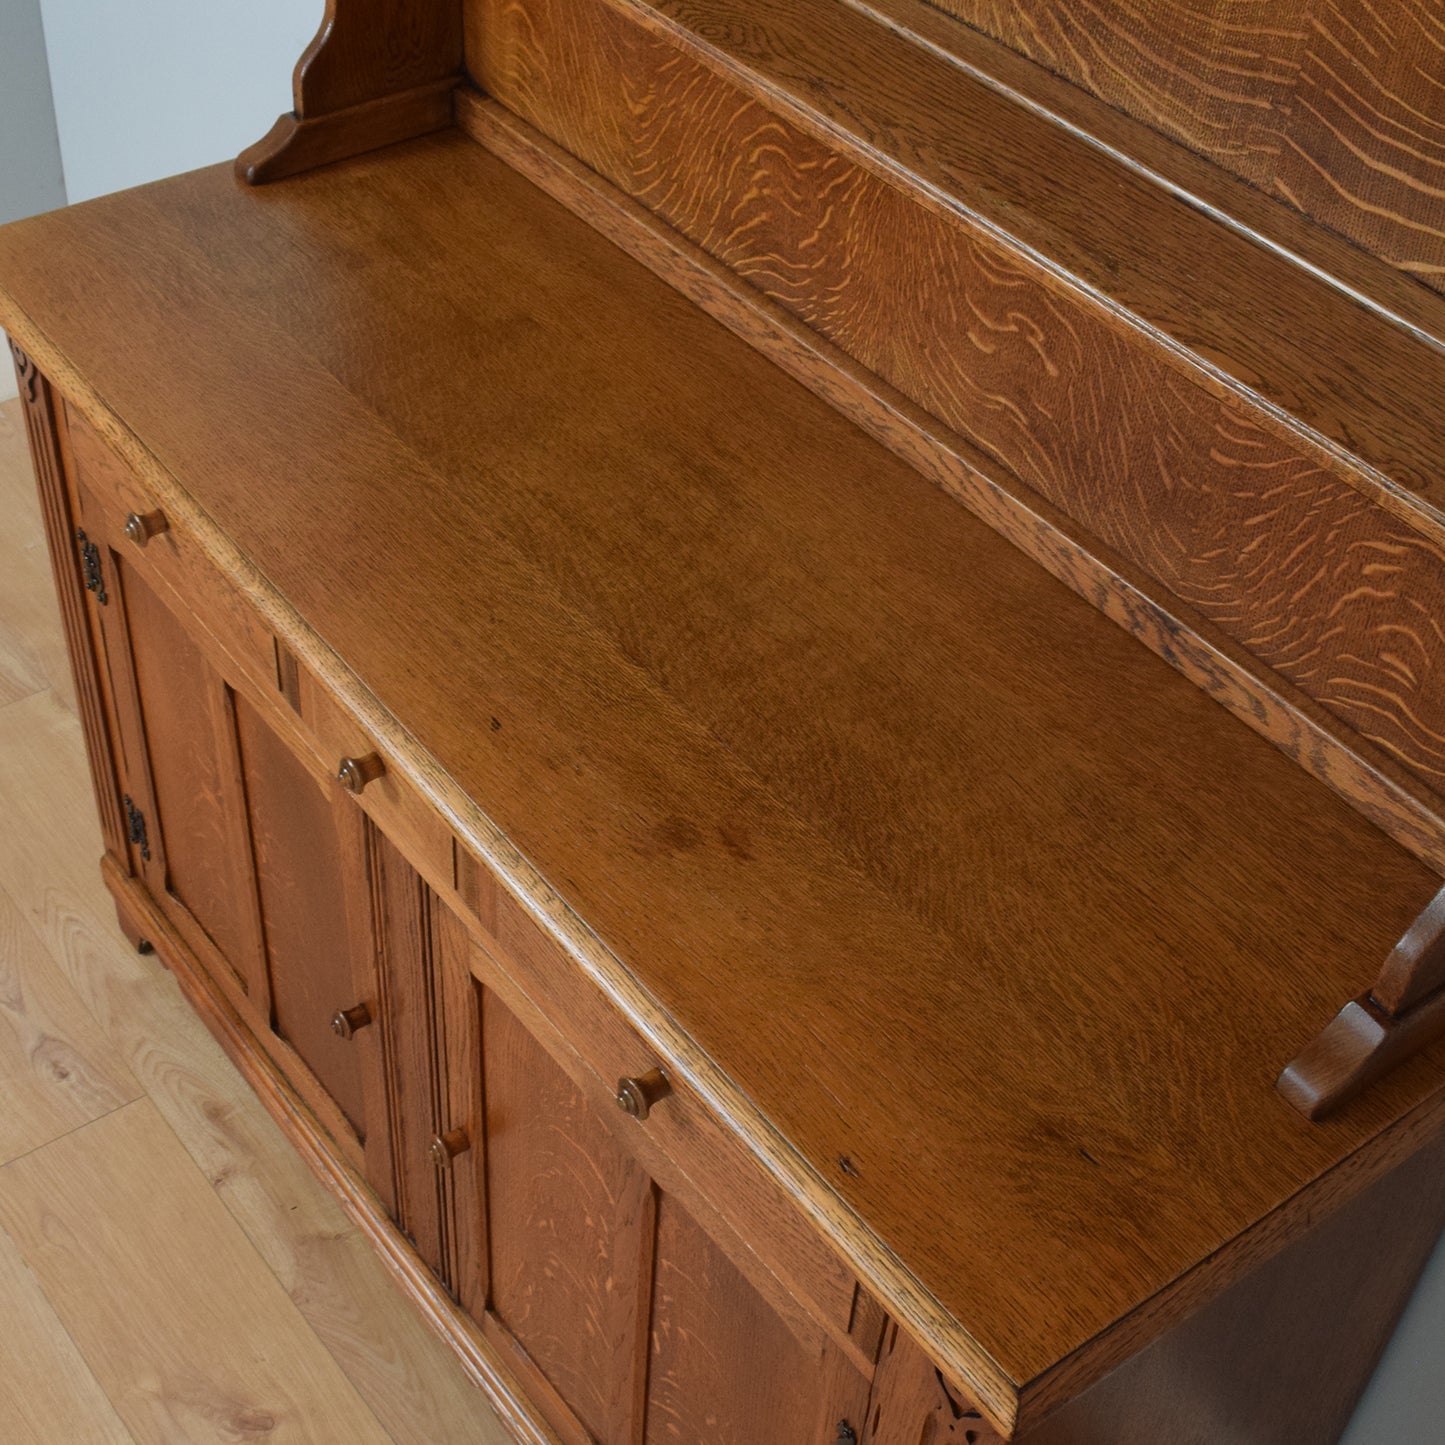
(1087, 1057)
(569, 1217)
(1258, 534)
(1373, 781)
(1333, 107)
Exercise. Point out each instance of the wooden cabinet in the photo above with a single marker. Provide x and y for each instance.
(632, 1322)
(509, 695)
(564, 1226)
(184, 798)
(250, 847)
(315, 862)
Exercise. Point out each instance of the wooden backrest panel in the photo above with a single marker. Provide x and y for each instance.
(1335, 108)
(1276, 544)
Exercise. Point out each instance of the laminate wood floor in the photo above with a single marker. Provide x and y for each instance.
(170, 1271)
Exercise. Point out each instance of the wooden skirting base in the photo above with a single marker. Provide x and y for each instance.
(140, 919)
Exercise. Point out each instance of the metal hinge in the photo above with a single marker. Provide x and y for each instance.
(90, 566)
(135, 822)
(846, 1435)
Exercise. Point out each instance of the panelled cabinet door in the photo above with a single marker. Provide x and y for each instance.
(184, 801)
(722, 1364)
(628, 1323)
(254, 853)
(316, 859)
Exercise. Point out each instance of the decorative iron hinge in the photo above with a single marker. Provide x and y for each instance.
(90, 566)
(135, 822)
(28, 374)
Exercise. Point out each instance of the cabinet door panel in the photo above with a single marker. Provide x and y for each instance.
(724, 1368)
(305, 843)
(182, 771)
(570, 1214)
(630, 1321)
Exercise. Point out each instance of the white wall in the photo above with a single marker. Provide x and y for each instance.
(148, 88)
(30, 179)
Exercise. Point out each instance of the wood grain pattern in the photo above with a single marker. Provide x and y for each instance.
(32, 645)
(568, 1214)
(686, 1153)
(911, 1404)
(1416, 965)
(1361, 1044)
(459, 1033)
(57, 1069)
(684, 1148)
(1277, 549)
(1201, 184)
(314, 940)
(44, 430)
(979, 670)
(412, 1065)
(294, 144)
(1375, 783)
(224, 627)
(1233, 310)
(373, 48)
(47, 1392)
(626, 1293)
(377, 72)
(1334, 108)
(175, 1360)
(723, 1367)
(183, 772)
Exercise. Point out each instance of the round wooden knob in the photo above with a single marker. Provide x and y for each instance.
(346, 1021)
(355, 773)
(636, 1097)
(140, 527)
(446, 1147)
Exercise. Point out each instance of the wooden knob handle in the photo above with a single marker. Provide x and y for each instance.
(346, 1021)
(140, 527)
(636, 1097)
(446, 1147)
(355, 773)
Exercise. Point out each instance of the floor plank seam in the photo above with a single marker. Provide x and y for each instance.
(143, 1098)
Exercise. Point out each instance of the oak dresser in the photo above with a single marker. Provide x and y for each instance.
(777, 669)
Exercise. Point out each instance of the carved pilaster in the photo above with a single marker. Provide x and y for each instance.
(42, 429)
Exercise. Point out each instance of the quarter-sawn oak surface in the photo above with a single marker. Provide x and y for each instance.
(1003, 925)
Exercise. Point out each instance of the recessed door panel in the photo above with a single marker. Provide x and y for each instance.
(570, 1213)
(723, 1366)
(306, 839)
(192, 775)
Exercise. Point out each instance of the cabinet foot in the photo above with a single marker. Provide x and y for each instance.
(131, 926)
